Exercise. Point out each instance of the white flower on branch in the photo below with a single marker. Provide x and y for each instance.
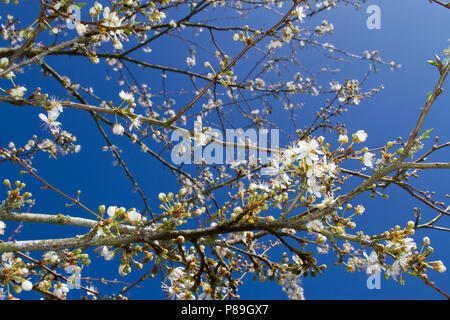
(300, 13)
(60, 290)
(27, 285)
(308, 150)
(81, 28)
(276, 170)
(135, 123)
(50, 120)
(314, 225)
(107, 254)
(291, 285)
(176, 274)
(274, 44)
(118, 129)
(373, 266)
(368, 159)
(191, 61)
(126, 96)
(96, 9)
(359, 136)
(17, 92)
(314, 187)
(51, 256)
(343, 139)
(134, 217)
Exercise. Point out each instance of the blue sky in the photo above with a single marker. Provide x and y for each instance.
(411, 33)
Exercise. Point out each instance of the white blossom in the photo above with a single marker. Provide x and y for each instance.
(126, 96)
(107, 254)
(27, 285)
(135, 123)
(343, 138)
(176, 274)
(111, 211)
(314, 225)
(368, 159)
(17, 92)
(118, 129)
(373, 266)
(2, 228)
(134, 216)
(308, 151)
(360, 136)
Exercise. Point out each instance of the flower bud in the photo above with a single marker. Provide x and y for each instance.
(7, 183)
(439, 266)
(182, 192)
(410, 225)
(179, 240)
(321, 139)
(351, 268)
(360, 209)
(27, 285)
(322, 267)
(162, 197)
(148, 256)
(111, 211)
(343, 138)
(124, 270)
(237, 210)
(4, 62)
(138, 265)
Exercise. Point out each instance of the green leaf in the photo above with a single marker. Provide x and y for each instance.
(433, 63)
(425, 134)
